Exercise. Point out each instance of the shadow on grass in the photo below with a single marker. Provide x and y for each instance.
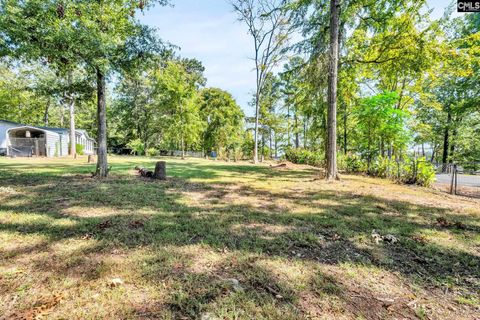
(137, 213)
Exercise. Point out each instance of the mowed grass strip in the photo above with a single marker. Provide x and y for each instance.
(222, 240)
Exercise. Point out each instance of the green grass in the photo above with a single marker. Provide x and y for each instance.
(296, 247)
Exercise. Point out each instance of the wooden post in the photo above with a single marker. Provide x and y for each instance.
(160, 171)
(456, 173)
(36, 147)
(453, 171)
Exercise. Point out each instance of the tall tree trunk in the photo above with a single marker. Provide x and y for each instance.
(452, 145)
(62, 117)
(289, 138)
(295, 124)
(271, 144)
(182, 145)
(305, 133)
(46, 114)
(73, 144)
(102, 162)
(331, 156)
(255, 147)
(434, 150)
(263, 148)
(445, 139)
(276, 145)
(345, 149)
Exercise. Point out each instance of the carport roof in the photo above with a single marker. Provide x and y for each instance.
(21, 126)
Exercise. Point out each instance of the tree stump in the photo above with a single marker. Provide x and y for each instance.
(160, 171)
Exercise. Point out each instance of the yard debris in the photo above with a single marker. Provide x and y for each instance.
(237, 287)
(160, 172)
(390, 238)
(281, 165)
(420, 239)
(136, 224)
(42, 308)
(144, 172)
(115, 282)
(377, 237)
(386, 302)
(208, 316)
(105, 224)
(335, 237)
(87, 236)
(442, 222)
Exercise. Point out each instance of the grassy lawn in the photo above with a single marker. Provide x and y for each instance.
(229, 241)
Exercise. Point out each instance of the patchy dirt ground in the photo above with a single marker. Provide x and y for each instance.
(230, 241)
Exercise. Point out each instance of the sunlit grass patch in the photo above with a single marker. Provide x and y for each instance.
(229, 240)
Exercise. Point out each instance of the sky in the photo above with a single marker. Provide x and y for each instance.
(209, 31)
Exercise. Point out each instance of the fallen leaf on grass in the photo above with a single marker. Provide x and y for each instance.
(136, 224)
(105, 225)
(420, 239)
(42, 309)
(442, 222)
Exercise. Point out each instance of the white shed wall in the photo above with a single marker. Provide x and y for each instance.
(4, 126)
(63, 145)
(52, 144)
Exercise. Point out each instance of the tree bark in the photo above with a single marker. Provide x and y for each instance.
(295, 124)
(434, 151)
(331, 156)
(102, 162)
(289, 139)
(71, 109)
(345, 146)
(46, 114)
(276, 145)
(452, 145)
(257, 114)
(73, 149)
(62, 117)
(183, 148)
(160, 171)
(263, 148)
(271, 144)
(305, 139)
(445, 139)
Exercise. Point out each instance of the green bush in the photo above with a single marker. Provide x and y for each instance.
(79, 149)
(417, 171)
(137, 147)
(351, 163)
(408, 170)
(425, 173)
(383, 167)
(152, 152)
(304, 156)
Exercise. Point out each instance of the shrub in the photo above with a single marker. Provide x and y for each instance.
(304, 156)
(409, 170)
(137, 147)
(79, 149)
(417, 171)
(152, 152)
(383, 167)
(425, 173)
(351, 163)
